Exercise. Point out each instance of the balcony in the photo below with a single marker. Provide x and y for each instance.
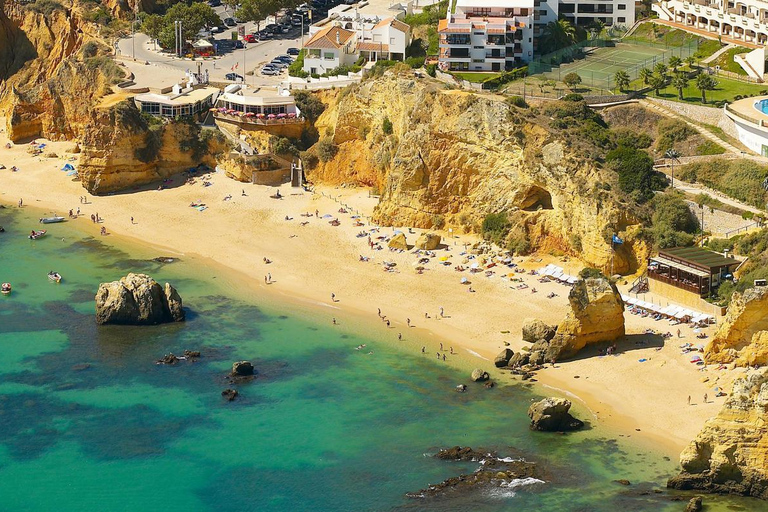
(489, 55)
(255, 119)
(701, 289)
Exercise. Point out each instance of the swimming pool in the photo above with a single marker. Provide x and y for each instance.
(762, 106)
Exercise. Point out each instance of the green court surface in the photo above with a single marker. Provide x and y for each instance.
(601, 64)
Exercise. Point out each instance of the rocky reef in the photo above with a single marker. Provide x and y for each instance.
(452, 157)
(551, 415)
(137, 299)
(743, 335)
(493, 471)
(596, 315)
(730, 454)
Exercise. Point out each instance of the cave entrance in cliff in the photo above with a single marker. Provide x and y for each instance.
(537, 198)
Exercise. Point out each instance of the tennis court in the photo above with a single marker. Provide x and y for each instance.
(600, 64)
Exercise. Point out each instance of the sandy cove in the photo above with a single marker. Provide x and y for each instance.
(310, 262)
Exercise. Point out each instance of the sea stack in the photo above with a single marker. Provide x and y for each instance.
(137, 299)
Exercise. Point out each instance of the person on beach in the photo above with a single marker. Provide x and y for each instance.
(705, 398)
(441, 347)
(678, 333)
(93, 218)
(387, 323)
(265, 280)
(400, 336)
(21, 203)
(451, 350)
(689, 399)
(443, 357)
(408, 321)
(269, 276)
(132, 220)
(423, 350)
(379, 309)
(78, 212)
(333, 297)
(103, 230)
(442, 312)
(334, 320)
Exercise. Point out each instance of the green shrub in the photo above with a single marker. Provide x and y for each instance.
(573, 97)
(415, 62)
(430, 15)
(45, 7)
(309, 159)
(326, 149)
(495, 227)
(432, 70)
(631, 139)
(672, 222)
(517, 101)
(438, 221)
(296, 67)
(518, 245)
(284, 146)
(386, 126)
(636, 174)
(739, 179)
(90, 49)
(590, 273)
(709, 148)
(309, 105)
(672, 131)
(719, 244)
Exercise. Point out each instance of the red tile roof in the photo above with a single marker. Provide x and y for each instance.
(327, 38)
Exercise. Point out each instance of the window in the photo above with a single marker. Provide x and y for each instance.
(482, 11)
(622, 19)
(622, 7)
(391, 40)
(329, 56)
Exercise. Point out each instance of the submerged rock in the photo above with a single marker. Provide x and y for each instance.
(165, 259)
(551, 415)
(694, 505)
(192, 354)
(730, 454)
(137, 299)
(168, 359)
(492, 471)
(230, 394)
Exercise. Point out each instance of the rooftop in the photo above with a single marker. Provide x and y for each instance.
(261, 96)
(184, 98)
(697, 257)
(330, 37)
(746, 109)
(503, 4)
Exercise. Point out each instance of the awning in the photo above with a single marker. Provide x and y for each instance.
(669, 263)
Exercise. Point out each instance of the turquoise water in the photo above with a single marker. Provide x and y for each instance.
(89, 422)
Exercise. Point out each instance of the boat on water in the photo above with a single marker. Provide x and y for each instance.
(51, 220)
(34, 235)
(54, 276)
(5, 288)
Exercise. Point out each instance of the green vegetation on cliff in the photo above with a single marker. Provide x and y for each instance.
(740, 179)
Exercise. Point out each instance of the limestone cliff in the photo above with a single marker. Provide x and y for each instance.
(730, 454)
(447, 158)
(743, 336)
(47, 86)
(122, 150)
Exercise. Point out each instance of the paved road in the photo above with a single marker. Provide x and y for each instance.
(164, 67)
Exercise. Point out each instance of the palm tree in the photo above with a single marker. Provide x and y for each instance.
(705, 83)
(690, 60)
(645, 75)
(675, 62)
(622, 80)
(661, 69)
(559, 34)
(657, 82)
(680, 82)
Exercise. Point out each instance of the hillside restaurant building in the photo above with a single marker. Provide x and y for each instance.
(692, 269)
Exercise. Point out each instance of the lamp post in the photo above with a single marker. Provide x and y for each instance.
(133, 36)
(673, 155)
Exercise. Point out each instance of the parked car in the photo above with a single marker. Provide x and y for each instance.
(239, 44)
(263, 34)
(270, 71)
(230, 22)
(217, 29)
(293, 51)
(296, 21)
(278, 64)
(250, 38)
(284, 58)
(214, 3)
(233, 77)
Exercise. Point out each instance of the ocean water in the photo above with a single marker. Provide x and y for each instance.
(88, 421)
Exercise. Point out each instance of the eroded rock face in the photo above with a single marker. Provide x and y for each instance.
(535, 330)
(398, 242)
(137, 299)
(551, 415)
(743, 336)
(454, 157)
(597, 315)
(503, 358)
(730, 454)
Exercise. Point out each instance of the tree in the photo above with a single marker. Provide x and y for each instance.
(193, 18)
(558, 34)
(645, 75)
(660, 69)
(680, 82)
(705, 83)
(675, 62)
(622, 80)
(690, 60)
(152, 25)
(571, 80)
(256, 10)
(657, 82)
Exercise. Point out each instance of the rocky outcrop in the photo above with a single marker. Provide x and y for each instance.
(137, 299)
(730, 454)
(551, 415)
(596, 315)
(479, 375)
(743, 335)
(535, 330)
(503, 358)
(242, 368)
(453, 157)
(428, 241)
(122, 151)
(398, 242)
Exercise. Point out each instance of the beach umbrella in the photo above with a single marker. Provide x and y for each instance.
(271, 116)
(281, 116)
(464, 280)
(260, 116)
(327, 216)
(292, 115)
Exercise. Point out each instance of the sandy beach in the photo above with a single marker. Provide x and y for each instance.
(312, 259)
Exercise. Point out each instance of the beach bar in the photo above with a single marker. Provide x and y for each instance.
(692, 269)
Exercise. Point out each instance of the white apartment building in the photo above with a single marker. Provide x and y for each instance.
(494, 35)
(328, 49)
(486, 35)
(745, 21)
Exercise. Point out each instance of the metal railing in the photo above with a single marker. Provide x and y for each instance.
(701, 290)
